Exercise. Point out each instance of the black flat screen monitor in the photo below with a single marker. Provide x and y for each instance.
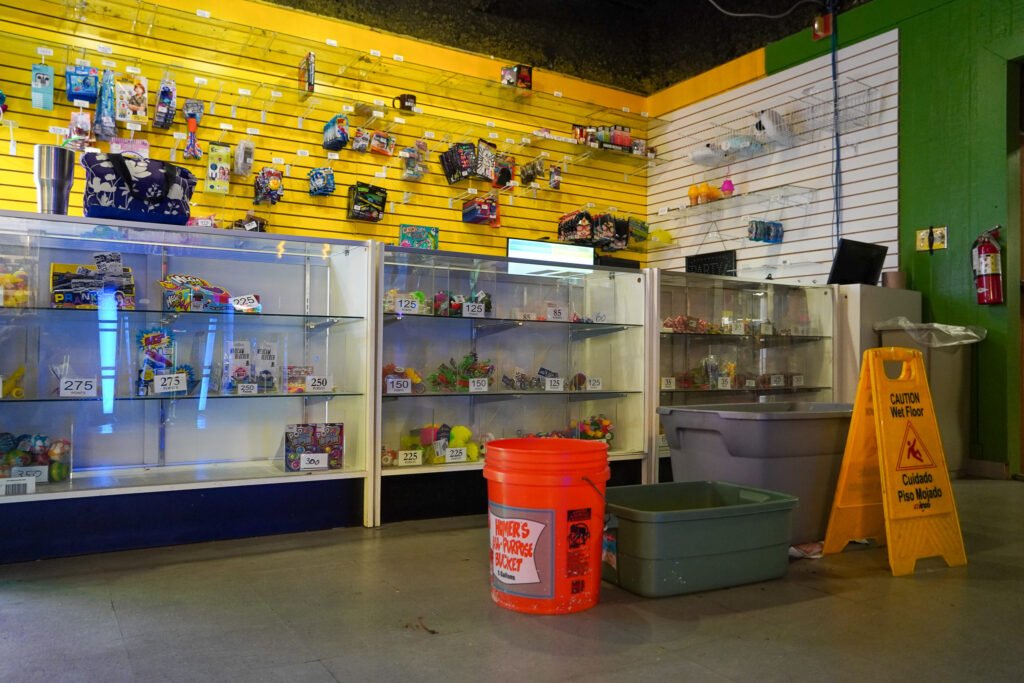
(857, 263)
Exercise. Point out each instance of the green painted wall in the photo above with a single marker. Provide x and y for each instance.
(959, 166)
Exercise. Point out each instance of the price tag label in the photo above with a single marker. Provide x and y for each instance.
(410, 458)
(378, 114)
(738, 328)
(312, 461)
(133, 70)
(248, 389)
(668, 383)
(663, 211)
(104, 50)
(472, 309)
(798, 380)
(399, 385)
(245, 92)
(57, 130)
(557, 93)
(347, 108)
(78, 387)
(767, 329)
(399, 120)
(375, 53)
(83, 62)
(778, 380)
(18, 486)
(44, 51)
(199, 80)
(317, 384)
(429, 134)
(133, 126)
(398, 58)
(203, 14)
(244, 302)
(163, 384)
(552, 384)
(302, 153)
(510, 141)
(109, 63)
(275, 93)
(226, 126)
(81, 103)
(252, 131)
(594, 384)
(725, 382)
(455, 455)
(493, 136)
(478, 385)
(333, 156)
(332, 42)
(491, 124)
(179, 136)
(556, 313)
(750, 384)
(278, 160)
(407, 306)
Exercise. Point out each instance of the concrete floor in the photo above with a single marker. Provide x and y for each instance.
(410, 602)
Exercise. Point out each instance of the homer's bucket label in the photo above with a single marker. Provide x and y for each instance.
(522, 550)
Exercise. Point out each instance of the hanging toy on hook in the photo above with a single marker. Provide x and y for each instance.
(3, 105)
(193, 115)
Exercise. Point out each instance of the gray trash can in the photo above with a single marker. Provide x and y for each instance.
(947, 361)
(795, 448)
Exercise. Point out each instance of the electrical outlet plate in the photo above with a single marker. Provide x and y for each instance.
(940, 239)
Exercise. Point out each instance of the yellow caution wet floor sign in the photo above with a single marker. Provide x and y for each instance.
(894, 486)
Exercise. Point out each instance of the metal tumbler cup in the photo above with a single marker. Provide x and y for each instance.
(55, 174)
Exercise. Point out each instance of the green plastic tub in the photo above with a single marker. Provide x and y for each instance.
(674, 538)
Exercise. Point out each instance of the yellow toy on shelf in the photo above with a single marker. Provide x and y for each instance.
(12, 384)
(14, 291)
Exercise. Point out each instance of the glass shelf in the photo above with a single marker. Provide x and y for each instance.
(764, 340)
(171, 396)
(754, 390)
(310, 322)
(479, 465)
(581, 395)
(580, 328)
(781, 196)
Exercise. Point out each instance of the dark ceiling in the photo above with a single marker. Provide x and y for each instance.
(632, 44)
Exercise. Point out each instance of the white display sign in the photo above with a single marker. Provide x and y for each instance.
(478, 385)
(248, 389)
(750, 384)
(557, 313)
(244, 302)
(472, 309)
(17, 486)
(163, 384)
(738, 328)
(725, 382)
(552, 384)
(312, 461)
(778, 380)
(455, 455)
(78, 387)
(399, 385)
(317, 384)
(668, 383)
(407, 306)
(410, 458)
(766, 328)
(594, 384)
(798, 380)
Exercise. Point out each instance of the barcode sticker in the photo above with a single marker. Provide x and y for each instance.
(17, 486)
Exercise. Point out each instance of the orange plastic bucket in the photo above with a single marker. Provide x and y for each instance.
(546, 518)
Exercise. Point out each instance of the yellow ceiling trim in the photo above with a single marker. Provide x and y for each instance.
(319, 28)
(749, 67)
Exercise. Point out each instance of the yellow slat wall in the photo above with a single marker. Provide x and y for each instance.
(231, 62)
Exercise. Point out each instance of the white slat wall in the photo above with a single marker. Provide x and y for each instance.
(869, 170)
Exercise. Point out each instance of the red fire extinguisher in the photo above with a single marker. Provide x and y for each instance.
(988, 269)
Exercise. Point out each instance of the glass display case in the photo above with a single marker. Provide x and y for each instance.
(475, 349)
(140, 357)
(724, 340)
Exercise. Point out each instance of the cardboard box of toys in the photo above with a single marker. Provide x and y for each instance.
(314, 446)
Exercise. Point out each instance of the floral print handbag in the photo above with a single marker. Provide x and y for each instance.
(132, 188)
